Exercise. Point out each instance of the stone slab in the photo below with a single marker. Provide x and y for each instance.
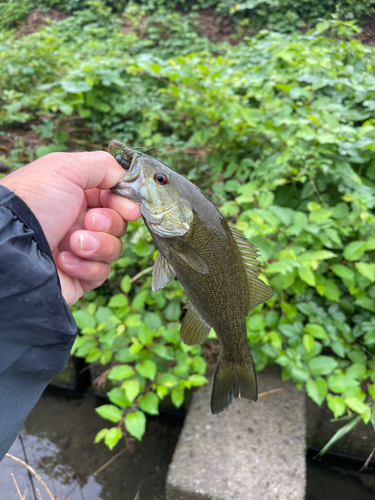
(252, 451)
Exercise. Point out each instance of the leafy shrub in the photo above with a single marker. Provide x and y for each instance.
(273, 11)
(15, 10)
(279, 132)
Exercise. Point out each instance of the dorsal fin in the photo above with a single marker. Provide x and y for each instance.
(259, 291)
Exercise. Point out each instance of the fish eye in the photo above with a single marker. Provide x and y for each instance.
(161, 178)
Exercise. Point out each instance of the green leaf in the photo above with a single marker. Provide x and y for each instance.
(331, 291)
(117, 396)
(101, 435)
(105, 315)
(139, 300)
(74, 87)
(366, 303)
(135, 424)
(341, 383)
(306, 275)
(178, 396)
(52, 148)
(370, 244)
(147, 369)
(163, 351)
(110, 412)
(197, 380)
(362, 408)
(344, 272)
(133, 320)
(132, 389)
(298, 373)
(322, 365)
(112, 437)
(340, 211)
(319, 215)
(317, 331)
(84, 319)
(371, 391)
(336, 405)
(149, 403)
(119, 300)
(367, 270)
(322, 26)
(126, 284)
(173, 311)
(355, 250)
(323, 255)
(121, 372)
(199, 364)
(357, 371)
(167, 379)
(308, 342)
(316, 389)
(340, 434)
(152, 320)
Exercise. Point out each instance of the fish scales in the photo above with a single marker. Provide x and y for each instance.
(215, 264)
(225, 292)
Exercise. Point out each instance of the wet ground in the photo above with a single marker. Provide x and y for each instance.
(58, 441)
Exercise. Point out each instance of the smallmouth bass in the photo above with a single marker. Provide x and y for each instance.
(216, 265)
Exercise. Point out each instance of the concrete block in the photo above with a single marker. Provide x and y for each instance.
(252, 451)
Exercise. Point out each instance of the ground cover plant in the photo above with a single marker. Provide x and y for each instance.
(278, 130)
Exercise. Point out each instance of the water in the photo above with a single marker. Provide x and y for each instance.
(58, 439)
(338, 478)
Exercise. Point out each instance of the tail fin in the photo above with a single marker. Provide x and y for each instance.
(232, 381)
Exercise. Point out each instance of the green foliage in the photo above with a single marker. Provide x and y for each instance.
(279, 131)
(288, 14)
(15, 10)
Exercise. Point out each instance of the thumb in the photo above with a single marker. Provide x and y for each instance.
(96, 169)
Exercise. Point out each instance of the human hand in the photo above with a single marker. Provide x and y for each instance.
(81, 219)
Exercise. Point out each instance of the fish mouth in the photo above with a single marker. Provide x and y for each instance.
(129, 183)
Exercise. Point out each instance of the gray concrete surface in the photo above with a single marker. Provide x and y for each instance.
(252, 451)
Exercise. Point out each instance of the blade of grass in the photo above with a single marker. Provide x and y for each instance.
(339, 434)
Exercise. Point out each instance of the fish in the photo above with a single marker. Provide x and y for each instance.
(216, 265)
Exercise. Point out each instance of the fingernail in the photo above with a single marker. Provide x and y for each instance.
(100, 222)
(88, 242)
(70, 259)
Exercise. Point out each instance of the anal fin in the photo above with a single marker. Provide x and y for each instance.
(194, 329)
(162, 273)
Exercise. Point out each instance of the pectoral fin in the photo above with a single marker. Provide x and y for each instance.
(259, 291)
(194, 330)
(162, 273)
(191, 257)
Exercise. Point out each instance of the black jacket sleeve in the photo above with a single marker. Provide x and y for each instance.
(37, 329)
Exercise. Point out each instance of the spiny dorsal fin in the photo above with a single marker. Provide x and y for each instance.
(259, 291)
(192, 258)
(194, 329)
(162, 273)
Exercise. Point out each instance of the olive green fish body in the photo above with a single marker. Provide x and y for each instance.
(221, 297)
(215, 264)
